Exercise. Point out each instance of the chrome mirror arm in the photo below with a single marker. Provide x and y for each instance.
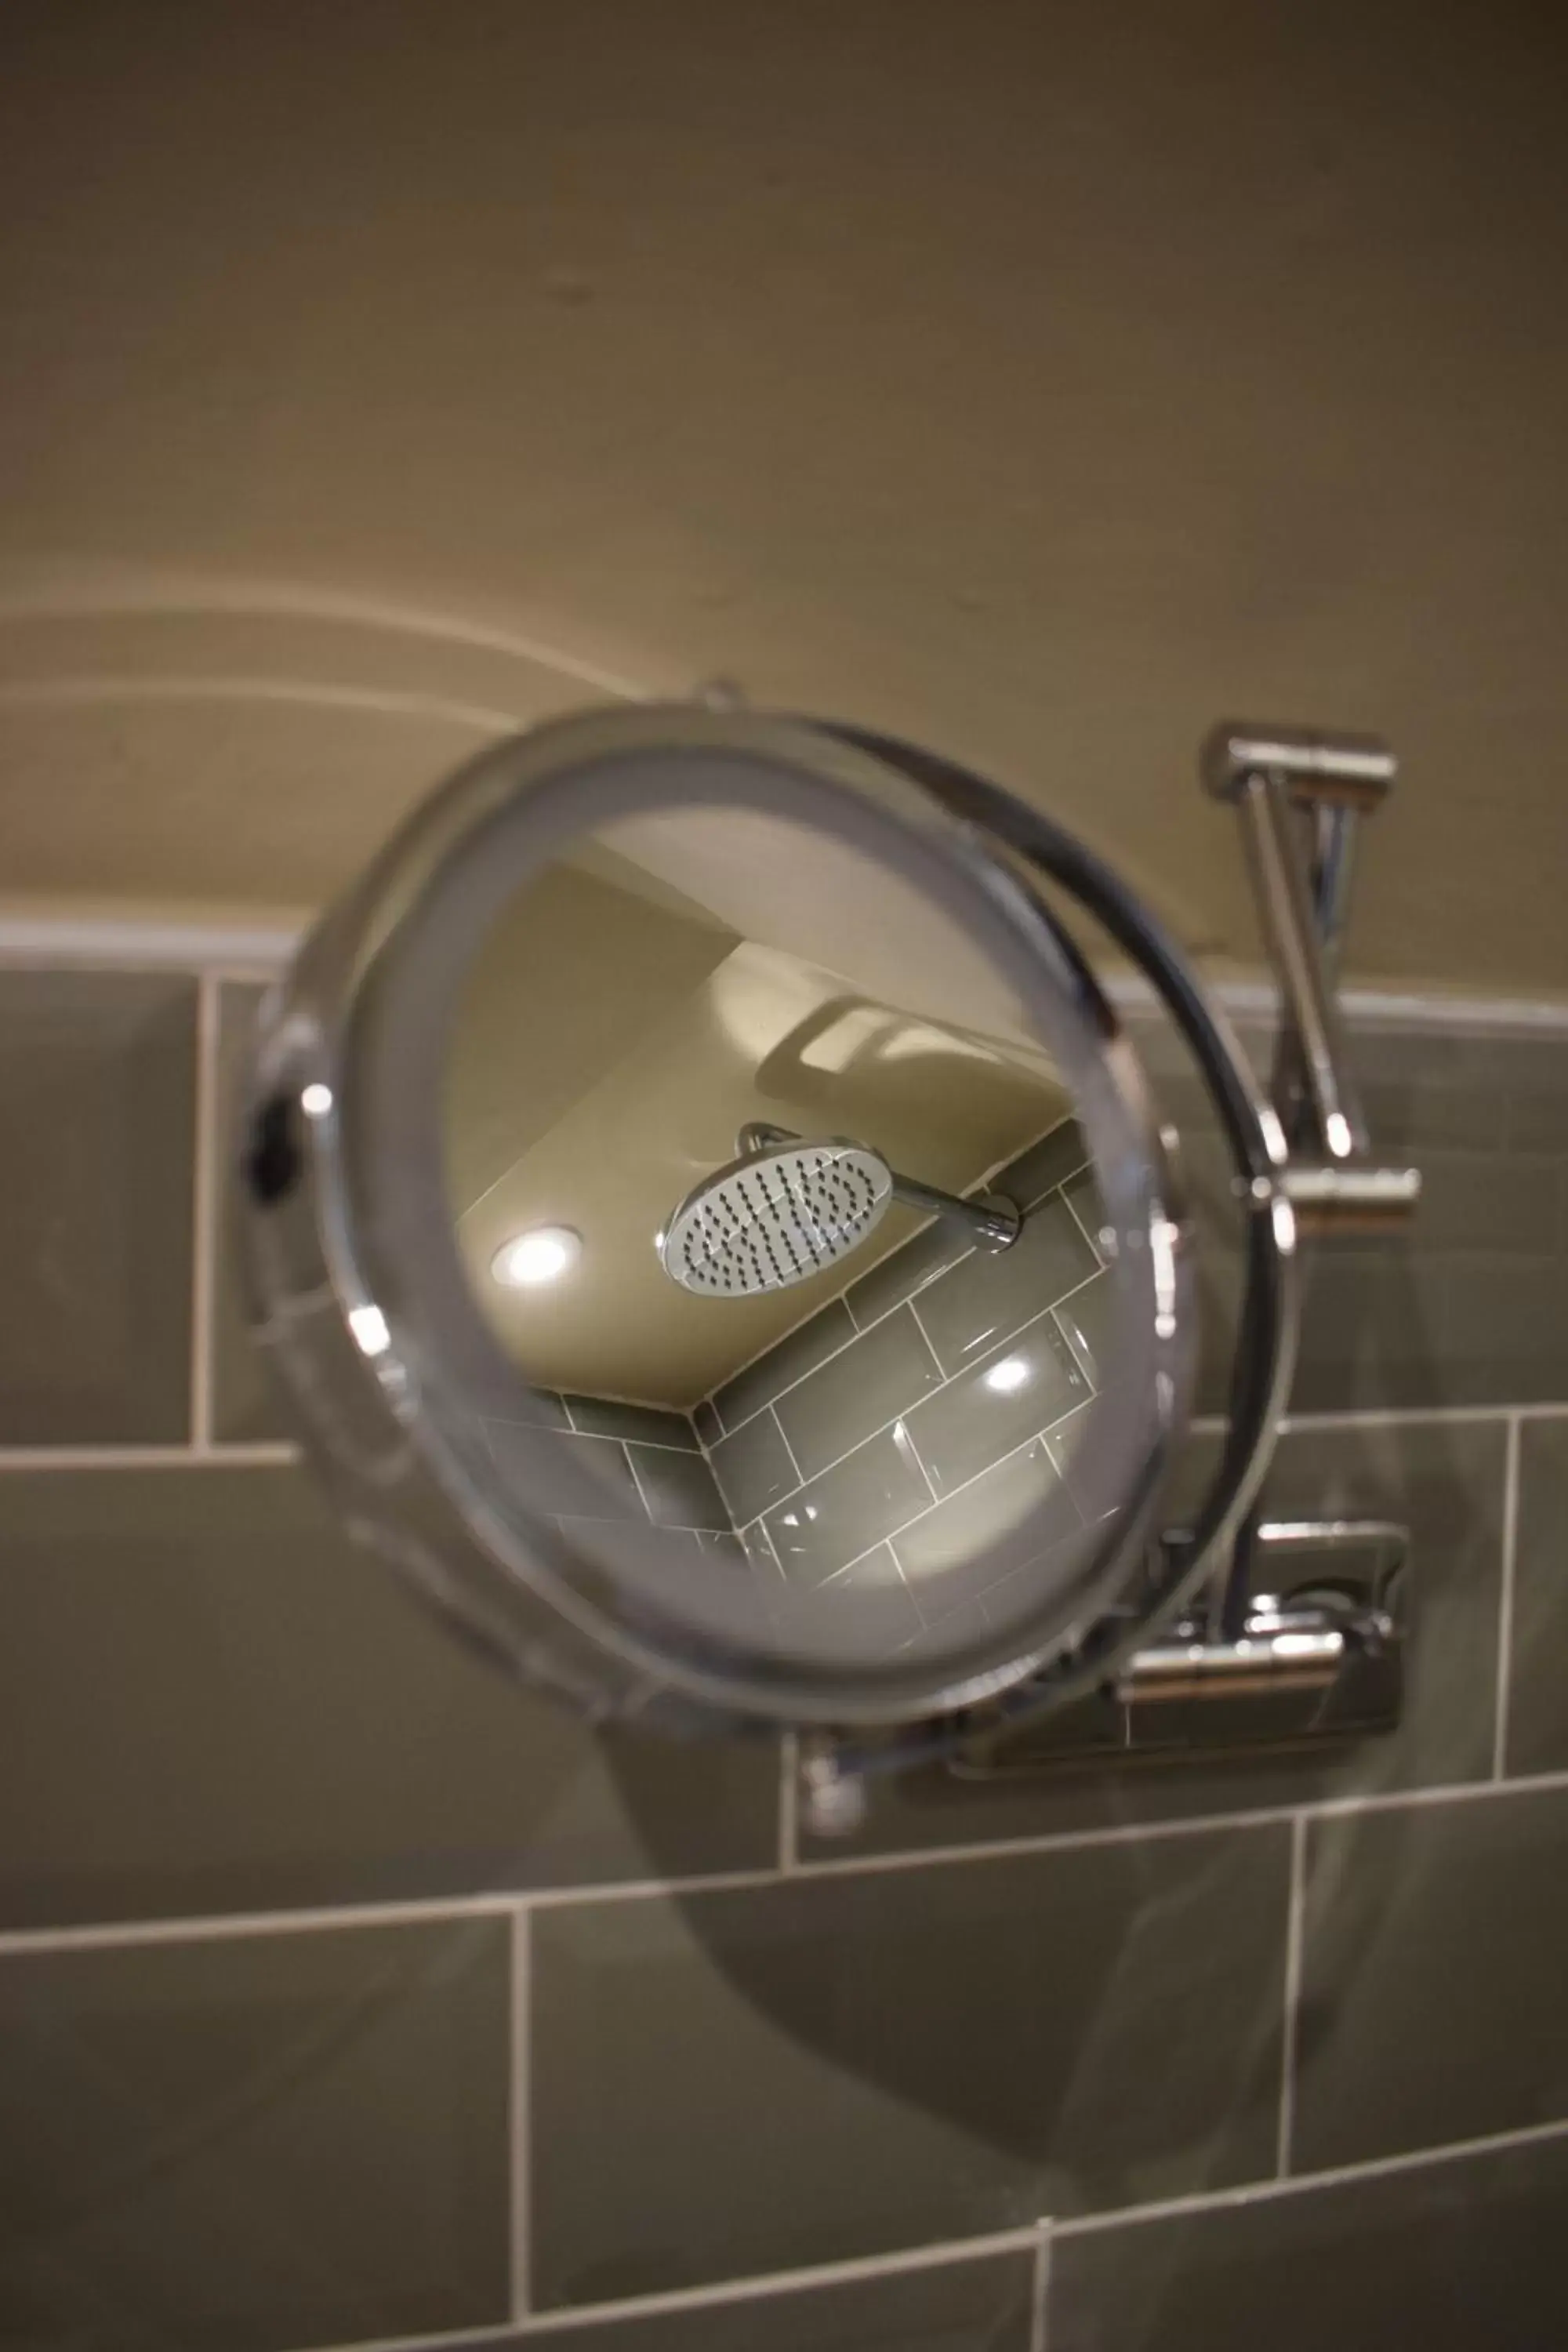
(1299, 794)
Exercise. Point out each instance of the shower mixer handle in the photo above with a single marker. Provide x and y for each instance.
(993, 1220)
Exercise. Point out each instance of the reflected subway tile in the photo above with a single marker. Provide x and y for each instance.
(992, 1292)
(848, 1508)
(1024, 1387)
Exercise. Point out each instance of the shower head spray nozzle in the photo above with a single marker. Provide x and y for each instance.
(789, 1207)
(778, 1214)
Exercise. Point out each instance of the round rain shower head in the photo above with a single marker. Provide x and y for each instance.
(775, 1217)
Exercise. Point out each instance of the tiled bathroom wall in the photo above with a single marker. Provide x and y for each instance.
(888, 1437)
(349, 1996)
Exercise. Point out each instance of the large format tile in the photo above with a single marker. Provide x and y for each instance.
(1434, 1957)
(869, 1384)
(223, 1704)
(1538, 1676)
(995, 1403)
(98, 1108)
(790, 1358)
(994, 1292)
(822, 1528)
(257, 2143)
(1458, 2256)
(1445, 1483)
(762, 2078)
(981, 2304)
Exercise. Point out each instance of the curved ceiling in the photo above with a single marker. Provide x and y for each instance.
(1040, 382)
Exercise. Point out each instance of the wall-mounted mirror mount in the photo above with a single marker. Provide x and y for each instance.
(718, 1239)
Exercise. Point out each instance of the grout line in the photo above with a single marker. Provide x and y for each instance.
(204, 1214)
(789, 1800)
(788, 1448)
(1295, 1920)
(1037, 2241)
(223, 1455)
(1046, 1315)
(127, 943)
(499, 1904)
(770, 2282)
(1505, 1600)
(1092, 1239)
(636, 1481)
(413, 1911)
(566, 1408)
(1035, 1438)
(900, 1428)
(1263, 2192)
(1415, 1416)
(1040, 2290)
(941, 1371)
(518, 2107)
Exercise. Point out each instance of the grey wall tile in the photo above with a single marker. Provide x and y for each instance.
(588, 1476)
(257, 2143)
(850, 1508)
(975, 1419)
(1045, 1165)
(993, 1292)
(905, 1271)
(677, 1488)
(1449, 2257)
(98, 1108)
(1444, 1482)
(793, 1357)
(1433, 1965)
(869, 1384)
(1004, 1521)
(1082, 1197)
(228, 1706)
(761, 2079)
(753, 1468)
(1537, 1696)
(245, 1401)
(1087, 1319)
(649, 1424)
(1468, 1306)
(707, 1424)
(982, 2304)
(874, 1606)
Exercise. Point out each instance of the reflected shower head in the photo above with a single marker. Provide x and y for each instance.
(789, 1207)
(775, 1216)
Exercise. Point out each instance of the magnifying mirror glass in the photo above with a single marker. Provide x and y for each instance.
(714, 1229)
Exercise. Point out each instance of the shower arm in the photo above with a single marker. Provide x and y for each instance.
(993, 1222)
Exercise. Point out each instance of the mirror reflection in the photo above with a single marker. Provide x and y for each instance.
(784, 1223)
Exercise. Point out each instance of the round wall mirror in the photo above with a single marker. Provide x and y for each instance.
(714, 1230)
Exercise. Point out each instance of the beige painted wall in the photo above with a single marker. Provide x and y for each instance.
(1044, 381)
